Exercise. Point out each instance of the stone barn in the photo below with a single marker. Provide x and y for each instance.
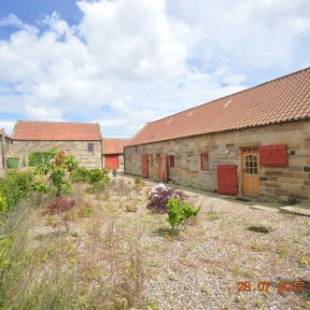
(5, 142)
(113, 153)
(255, 142)
(82, 140)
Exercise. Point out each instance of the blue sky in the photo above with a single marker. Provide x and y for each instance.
(125, 62)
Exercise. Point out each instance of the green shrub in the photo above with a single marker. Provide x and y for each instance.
(79, 174)
(14, 187)
(41, 188)
(62, 186)
(96, 178)
(97, 175)
(138, 181)
(70, 163)
(4, 207)
(179, 211)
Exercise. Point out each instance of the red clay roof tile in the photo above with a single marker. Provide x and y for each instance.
(114, 146)
(56, 131)
(284, 99)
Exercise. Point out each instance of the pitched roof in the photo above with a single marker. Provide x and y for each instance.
(284, 99)
(114, 146)
(56, 131)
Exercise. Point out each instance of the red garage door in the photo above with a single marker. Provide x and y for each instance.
(227, 179)
(111, 162)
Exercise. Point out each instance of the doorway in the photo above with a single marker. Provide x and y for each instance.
(250, 177)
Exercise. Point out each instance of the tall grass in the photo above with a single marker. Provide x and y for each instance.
(47, 270)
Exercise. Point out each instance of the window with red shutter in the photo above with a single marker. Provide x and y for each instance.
(171, 161)
(204, 161)
(274, 155)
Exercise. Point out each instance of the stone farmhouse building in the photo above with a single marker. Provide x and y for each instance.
(83, 140)
(113, 153)
(255, 142)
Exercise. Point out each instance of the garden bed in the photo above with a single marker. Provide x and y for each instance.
(110, 250)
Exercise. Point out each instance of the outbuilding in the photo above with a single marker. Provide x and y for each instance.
(82, 140)
(113, 153)
(255, 142)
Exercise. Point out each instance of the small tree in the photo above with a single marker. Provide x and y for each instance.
(179, 211)
(62, 186)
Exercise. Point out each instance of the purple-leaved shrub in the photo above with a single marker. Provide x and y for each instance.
(160, 195)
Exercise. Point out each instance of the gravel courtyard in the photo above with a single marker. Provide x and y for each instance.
(200, 269)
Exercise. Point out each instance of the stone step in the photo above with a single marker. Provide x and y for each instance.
(264, 208)
(295, 210)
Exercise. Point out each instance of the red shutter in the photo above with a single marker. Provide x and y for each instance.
(204, 161)
(227, 179)
(163, 175)
(274, 155)
(171, 161)
(145, 165)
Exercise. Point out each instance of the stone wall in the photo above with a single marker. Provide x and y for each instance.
(79, 149)
(121, 162)
(1, 153)
(225, 148)
(4, 146)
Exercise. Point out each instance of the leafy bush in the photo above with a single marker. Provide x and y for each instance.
(79, 174)
(70, 163)
(179, 211)
(62, 186)
(138, 181)
(4, 207)
(41, 188)
(14, 187)
(96, 178)
(160, 195)
(97, 175)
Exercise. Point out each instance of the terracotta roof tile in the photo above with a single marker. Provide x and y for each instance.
(114, 146)
(280, 100)
(56, 131)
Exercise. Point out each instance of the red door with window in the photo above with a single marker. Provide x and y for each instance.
(111, 162)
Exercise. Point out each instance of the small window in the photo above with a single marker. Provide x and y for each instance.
(204, 161)
(171, 161)
(90, 147)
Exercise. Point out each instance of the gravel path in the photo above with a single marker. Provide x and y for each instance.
(201, 268)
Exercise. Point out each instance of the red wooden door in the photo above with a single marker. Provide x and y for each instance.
(111, 162)
(227, 179)
(145, 165)
(163, 173)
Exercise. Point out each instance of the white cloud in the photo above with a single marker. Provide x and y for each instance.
(246, 34)
(131, 61)
(13, 21)
(7, 125)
